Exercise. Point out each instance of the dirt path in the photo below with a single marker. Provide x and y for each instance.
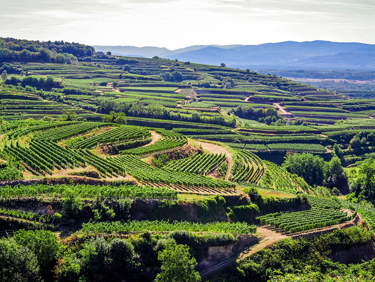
(213, 148)
(282, 110)
(115, 89)
(155, 138)
(270, 237)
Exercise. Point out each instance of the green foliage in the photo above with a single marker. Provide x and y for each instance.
(169, 140)
(308, 166)
(42, 243)
(199, 244)
(364, 183)
(134, 226)
(102, 212)
(337, 150)
(294, 256)
(80, 190)
(243, 213)
(56, 52)
(172, 77)
(272, 204)
(305, 220)
(114, 117)
(99, 260)
(17, 262)
(125, 206)
(177, 265)
(198, 163)
(69, 116)
(160, 160)
(209, 208)
(315, 170)
(261, 115)
(115, 135)
(10, 173)
(72, 204)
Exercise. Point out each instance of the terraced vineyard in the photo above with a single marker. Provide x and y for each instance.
(306, 220)
(150, 176)
(170, 140)
(142, 156)
(198, 164)
(247, 167)
(277, 177)
(83, 190)
(160, 226)
(123, 133)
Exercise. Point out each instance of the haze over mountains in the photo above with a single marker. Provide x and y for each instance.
(283, 55)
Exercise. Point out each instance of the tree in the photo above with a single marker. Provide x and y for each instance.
(114, 117)
(42, 243)
(69, 116)
(177, 265)
(337, 150)
(335, 176)
(126, 68)
(48, 118)
(17, 263)
(306, 165)
(223, 65)
(366, 178)
(4, 75)
(355, 142)
(72, 204)
(109, 53)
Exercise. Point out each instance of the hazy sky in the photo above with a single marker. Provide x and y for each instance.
(180, 23)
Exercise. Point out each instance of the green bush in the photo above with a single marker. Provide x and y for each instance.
(243, 213)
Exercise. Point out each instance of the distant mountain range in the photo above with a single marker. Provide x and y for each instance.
(283, 55)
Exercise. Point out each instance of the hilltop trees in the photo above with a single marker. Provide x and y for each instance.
(53, 52)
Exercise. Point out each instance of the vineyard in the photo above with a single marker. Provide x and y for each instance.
(306, 220)
(165, 226)
(29, 215)
(170, 140)
(123, 133)
(128, 157)
(198, 164)
(145, 173)
(277, 177)
(247, 167)
(81, 190)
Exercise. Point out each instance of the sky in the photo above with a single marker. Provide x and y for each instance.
(180, 23)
